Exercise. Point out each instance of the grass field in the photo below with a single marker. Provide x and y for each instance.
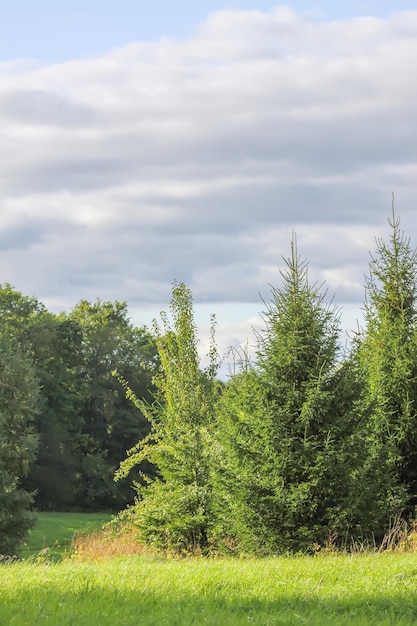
(379, 589)
(54, 531)
(373, 589)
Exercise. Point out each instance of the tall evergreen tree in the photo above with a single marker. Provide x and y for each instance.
(388, 350)
(292, 460)
(174, 510)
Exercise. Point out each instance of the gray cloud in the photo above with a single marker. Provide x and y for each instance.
(196, 159)
(32, 108)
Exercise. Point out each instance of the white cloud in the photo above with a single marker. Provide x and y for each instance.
(196, 159)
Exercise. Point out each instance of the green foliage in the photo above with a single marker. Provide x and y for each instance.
(293, 469)
(173, 511)
(84, 422)
(18, 442)
(110, 423)
(56, 354)
(52, 346)
(303, 445)
(388, 351)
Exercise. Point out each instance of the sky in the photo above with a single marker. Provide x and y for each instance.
(146, 142)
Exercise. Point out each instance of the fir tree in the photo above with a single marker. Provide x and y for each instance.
(388, 351)
(294, 453)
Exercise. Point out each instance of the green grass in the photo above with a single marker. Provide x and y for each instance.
(54, 531)
(131, 591)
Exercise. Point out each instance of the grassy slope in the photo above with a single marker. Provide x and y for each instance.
(362, 590)
(55, 531)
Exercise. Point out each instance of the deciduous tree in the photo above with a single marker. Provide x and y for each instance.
(174, 510)
(19, 395)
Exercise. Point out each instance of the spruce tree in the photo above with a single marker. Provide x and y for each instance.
(292, 467)
(388, 351)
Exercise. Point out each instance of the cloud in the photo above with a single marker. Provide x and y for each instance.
(196, 159)
(39, 108)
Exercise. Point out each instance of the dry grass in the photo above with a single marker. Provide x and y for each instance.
(122, 539)
(401, 537)
(107, 543)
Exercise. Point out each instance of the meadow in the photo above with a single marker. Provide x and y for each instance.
(363, 589)
(378, 589)
(53, 533)
(55, 586)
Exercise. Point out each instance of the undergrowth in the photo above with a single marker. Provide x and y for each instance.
(106, 543)
(118, 538)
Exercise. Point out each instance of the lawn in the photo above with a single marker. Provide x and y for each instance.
(54, 532)
(366, 589)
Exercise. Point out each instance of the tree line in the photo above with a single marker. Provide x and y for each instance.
(304, 444)
(65, 423)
